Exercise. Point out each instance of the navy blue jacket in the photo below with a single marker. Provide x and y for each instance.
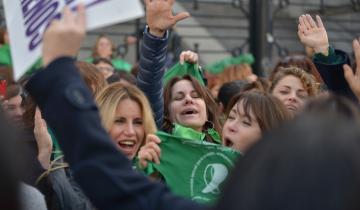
(105, 175)
(152, 68)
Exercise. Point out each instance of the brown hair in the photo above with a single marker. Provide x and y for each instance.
(211, 106)
(92, 77)
(231, 73)
(306, 79)
(300, 61)
(268, 111)
(94, 52)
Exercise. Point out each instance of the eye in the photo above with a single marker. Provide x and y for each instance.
(231, 117)
(195, 94)
(138, 122)
(284, 92)
(179, 97)
(302, 95)
(246, 123)
(120, 120)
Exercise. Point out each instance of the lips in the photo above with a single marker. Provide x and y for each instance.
(189, 111)
(291, 107)
(128, 147)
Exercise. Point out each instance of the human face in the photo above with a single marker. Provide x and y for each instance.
(105, 69)
(239, 131)
(187, 108)
(291, 92)
(13, 109)
(104, 48)
(127, 131)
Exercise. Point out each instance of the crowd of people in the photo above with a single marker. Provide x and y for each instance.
(86, 134)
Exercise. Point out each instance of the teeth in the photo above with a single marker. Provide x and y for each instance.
(127, 143)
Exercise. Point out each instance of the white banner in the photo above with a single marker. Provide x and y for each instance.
(27, 20)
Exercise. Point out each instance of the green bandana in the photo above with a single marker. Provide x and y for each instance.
(179, 70)
(219, 66)
(193, 169)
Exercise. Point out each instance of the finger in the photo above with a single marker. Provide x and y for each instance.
(153, 146)
(182, 58)
(306, 22)
(181, 16)
(154, 157)
(348, 74)
(143, 163)
(81, 17)
(356, 47)
(311, 21)
(302, 19)
(153, 138)
(67, 15)
(319, 21)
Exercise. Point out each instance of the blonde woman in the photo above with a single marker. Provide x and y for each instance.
(126, 115)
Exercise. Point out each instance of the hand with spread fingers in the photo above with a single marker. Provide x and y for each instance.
(353, 79)
(313, 34)
(159, 16)
(64, 37)
(189, 57)
(150, 151)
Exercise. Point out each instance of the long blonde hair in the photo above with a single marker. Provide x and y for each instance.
(109, 98)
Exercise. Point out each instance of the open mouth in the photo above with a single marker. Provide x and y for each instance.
(127, 144)
(228, 142)
(189, 112)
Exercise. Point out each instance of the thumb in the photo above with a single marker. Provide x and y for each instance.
(181, 16)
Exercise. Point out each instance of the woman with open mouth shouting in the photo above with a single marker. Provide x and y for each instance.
(126, 115)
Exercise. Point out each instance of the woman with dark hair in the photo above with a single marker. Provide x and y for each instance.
(189, 104)
(249, 116)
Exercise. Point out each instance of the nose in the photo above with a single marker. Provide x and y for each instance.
(19, 111)
(292, 97)
(231, 126)
(188, 99)
(129, 130)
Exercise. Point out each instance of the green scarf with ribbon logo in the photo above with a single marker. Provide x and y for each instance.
(193, 168)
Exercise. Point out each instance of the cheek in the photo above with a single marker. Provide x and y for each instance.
(115, 131)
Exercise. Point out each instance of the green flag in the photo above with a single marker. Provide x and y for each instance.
(194, 169)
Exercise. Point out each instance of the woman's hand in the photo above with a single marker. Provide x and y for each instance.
(150, 151)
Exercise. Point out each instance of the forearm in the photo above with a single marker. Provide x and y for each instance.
(152, 68)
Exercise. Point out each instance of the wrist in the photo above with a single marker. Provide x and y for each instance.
(324, 49)
(157, 32)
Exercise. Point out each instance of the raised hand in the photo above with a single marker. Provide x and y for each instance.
(64, 37)
(313, 34)
(159, 16)
(188, 56)
(43, 140)
(150, 151)
(354, 79)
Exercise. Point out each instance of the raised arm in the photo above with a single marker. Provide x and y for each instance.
(153, 51)
(328, 61)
